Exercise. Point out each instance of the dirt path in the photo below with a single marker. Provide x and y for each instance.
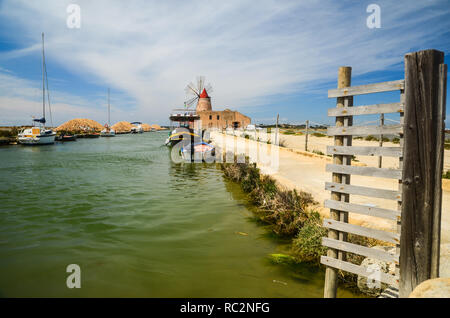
(307, 173)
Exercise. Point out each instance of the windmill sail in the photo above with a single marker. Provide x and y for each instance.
(194, 91)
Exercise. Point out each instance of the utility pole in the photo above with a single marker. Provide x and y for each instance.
(306, 135)
(276, 130)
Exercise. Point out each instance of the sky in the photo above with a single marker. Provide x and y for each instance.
(262, 58)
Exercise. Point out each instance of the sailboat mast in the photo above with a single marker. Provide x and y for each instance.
(43, 80)
(109, 124)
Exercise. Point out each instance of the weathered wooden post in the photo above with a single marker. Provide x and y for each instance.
(344, 80)
(306, 135)
(276, 130)
(425, 89)
(380, 158)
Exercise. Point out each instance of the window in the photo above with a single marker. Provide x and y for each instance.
(218, 117)
(210, 117)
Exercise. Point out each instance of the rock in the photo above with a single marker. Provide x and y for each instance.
(432, 288)
(368, 285)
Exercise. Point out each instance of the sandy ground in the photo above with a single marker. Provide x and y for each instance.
(292, 168)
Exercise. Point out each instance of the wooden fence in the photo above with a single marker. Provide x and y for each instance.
(421, 107)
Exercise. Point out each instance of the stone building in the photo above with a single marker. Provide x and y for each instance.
(219, 119)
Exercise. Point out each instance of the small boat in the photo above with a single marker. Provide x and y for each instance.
(137, 128)
(91, 135)
(68, 138)
(108, 131)
(39, 135)
(184, 119)
(202, 151)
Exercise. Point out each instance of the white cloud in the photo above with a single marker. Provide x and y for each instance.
(21, 99)
(248, 50)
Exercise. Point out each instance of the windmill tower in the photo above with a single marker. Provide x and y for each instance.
(200, 95)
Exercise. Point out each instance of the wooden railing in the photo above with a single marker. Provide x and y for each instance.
(420, 158)
(341, 169)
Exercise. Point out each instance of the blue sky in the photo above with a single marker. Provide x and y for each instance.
(261, 57)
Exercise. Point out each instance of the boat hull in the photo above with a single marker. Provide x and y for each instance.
(38, 140)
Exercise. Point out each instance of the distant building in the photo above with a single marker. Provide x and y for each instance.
(219, 119)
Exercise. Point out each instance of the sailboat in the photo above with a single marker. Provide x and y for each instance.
(38, 134)
(108, 132)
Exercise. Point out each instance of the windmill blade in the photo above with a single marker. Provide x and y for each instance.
(190, 90)
(191, 101)
(200, 83)
(209, 88)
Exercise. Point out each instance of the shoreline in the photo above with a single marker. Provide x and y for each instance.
(307, 173)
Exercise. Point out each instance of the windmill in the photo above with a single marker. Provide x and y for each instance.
(195, 92)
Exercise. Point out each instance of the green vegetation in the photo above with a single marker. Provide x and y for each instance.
(371, 138)
(446, 175)
(307, 245)
(396, 140)
(288, 132)
(317, 134)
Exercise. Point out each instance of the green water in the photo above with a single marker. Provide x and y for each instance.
(137, 224)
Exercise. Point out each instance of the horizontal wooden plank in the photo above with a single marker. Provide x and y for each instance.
(367, 89)
(365, 130)
(360, 250)
(362, 209)
(365, 191)
(365, 151)
(365, 171)
(390, 237)
(371, 273)
(367, 110)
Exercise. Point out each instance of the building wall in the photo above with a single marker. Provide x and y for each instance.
(223, 119)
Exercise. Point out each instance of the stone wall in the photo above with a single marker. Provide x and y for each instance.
(223, 119)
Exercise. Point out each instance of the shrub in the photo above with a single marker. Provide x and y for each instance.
(317, 134)
(396, 140)
(446, 175)
(307, 245)
(371, 138)
(284, 210)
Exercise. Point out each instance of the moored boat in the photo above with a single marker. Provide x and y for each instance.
(137, 128)
(200, 151)
(38, 134)
(108, 131)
